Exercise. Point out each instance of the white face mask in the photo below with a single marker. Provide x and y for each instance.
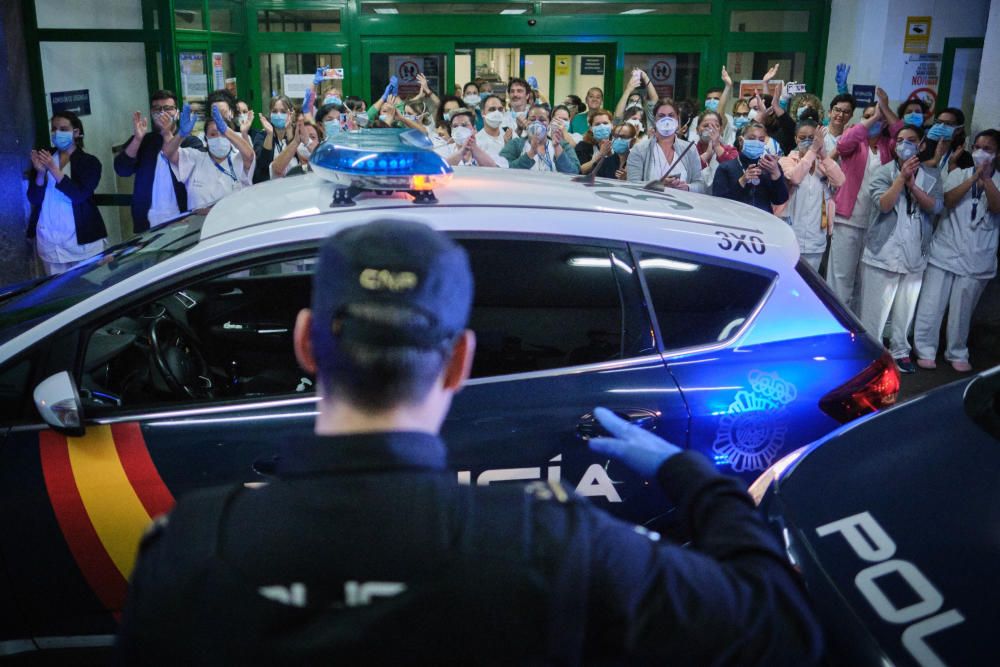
(981, 157)
(636, 123)
(304, 151)
(219, 147)
(752, 115)
(471, 100)
(461, 135)
(666, 126)
(493, 119)
(243, 118)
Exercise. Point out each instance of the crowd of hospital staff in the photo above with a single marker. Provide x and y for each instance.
(902, 205)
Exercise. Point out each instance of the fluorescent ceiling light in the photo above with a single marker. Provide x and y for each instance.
(637, 11)
(513, 11)
(386, 10)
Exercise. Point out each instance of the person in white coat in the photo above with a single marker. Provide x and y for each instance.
(963, 256)
(905, 195)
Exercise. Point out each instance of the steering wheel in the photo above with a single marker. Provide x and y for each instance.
(180, 363)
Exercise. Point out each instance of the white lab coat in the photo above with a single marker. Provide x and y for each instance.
(207, 182)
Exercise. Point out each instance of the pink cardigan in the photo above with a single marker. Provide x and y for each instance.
(853, 151)
(796, 166)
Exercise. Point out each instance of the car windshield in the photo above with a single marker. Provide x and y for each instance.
(22, 309)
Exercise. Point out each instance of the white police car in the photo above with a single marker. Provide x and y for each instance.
(166, 364)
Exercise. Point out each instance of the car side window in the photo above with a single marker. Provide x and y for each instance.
(541, 305)
(699, 301)
(224, 337)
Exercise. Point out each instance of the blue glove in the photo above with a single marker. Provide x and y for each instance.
(307, 101)
(394, 82)
(634, 446)
(220, 122)
(533, 82)
(318, 79)
(186, 122)
(843, 69)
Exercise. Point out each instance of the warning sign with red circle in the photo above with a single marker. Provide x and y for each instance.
(928, 95)
(662, 71)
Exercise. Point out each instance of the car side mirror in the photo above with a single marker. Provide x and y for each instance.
(58, 402)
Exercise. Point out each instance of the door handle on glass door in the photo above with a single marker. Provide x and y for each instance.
(588, 427)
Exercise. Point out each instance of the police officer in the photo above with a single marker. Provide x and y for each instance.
(363, 548)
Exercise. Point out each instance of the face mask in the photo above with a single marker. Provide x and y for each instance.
(62, 139)
(303, 150)
(712, 104)
(537, 129)
(446, 115)
(461, 135)
(472, 100)
(981, 157)
(804, 145)
(331, 128)
(752, 115)
(243, 118)
(493, 119)
(753, 148)
(279, 120)
(940, 131)
(520, 114)
(483, 96)
(705, 137)
(875, 129)
(740, 122)
(619, 145)
(636, 123)
(666, 126)
(333, 99)
(384, 119)
(634, 102)
(601, 131)
(219, 147)
(905, 150)
(914, 118)
(801, 112)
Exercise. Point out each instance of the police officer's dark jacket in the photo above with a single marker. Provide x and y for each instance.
(365, 550)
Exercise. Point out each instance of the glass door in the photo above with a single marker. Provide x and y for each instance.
(405, 59)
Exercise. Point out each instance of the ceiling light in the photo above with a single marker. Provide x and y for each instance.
(386, 10)
(636, 11)
(513, 11)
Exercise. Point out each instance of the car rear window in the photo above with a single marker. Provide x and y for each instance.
(699, 302)
(829, 299)
(541, 305)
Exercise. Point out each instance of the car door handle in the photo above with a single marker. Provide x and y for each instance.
(588, 427)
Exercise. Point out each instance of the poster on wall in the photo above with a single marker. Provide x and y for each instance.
(406, 69)
(750, 87)
(218, 75)
(194, 84)
(296, 85)
(592, 65)
(918, 34)
(77, 101)
(562, 65)
(921, 75)
(662, 71)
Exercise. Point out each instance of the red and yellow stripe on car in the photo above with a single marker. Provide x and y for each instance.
(104, 491)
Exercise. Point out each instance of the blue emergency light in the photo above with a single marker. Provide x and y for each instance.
(382, 161)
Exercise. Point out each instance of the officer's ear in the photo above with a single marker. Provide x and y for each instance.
(459, 366)
(302, 340)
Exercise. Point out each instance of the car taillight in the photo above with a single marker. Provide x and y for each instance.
(872, 389)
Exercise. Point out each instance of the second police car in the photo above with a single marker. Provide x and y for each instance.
(166, 364)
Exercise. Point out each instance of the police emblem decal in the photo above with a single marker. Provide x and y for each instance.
(753, 429)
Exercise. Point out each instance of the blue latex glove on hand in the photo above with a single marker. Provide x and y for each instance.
(394, 82)
(843, 69)
(307, 101)
(318, 79)
(186, 123)
(533, 82)
(633, 445)
(220, 122)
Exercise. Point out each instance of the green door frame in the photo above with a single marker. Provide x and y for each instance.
(952, 44)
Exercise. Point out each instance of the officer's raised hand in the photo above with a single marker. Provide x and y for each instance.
(634, 446)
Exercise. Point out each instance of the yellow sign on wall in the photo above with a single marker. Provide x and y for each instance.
(918, 34)
(562, 65)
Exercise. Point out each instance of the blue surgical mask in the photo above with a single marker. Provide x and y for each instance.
(537, 129)
(331, 128)
(62, 139)
(914, 118)
(940, 131)
(875, 129)
(620, 145)
(801, 111)
(601, 131)
(805, 145)
(753, 148)
(905, 150)
(712, 104)
(740, 122)
(279, 120)
(333, 99)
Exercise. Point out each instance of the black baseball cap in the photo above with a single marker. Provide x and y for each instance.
(420, 272)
